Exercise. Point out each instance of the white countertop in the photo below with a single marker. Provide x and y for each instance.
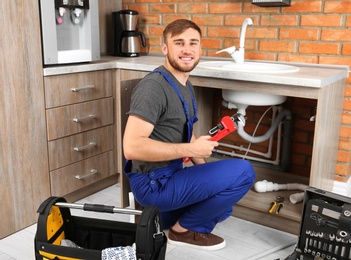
(309, 75)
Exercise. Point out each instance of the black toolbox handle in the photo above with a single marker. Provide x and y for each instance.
(98, 208)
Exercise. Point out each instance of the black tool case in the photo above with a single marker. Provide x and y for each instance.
(325, 227)
(56, 223)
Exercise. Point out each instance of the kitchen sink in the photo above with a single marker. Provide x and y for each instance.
(248, 66)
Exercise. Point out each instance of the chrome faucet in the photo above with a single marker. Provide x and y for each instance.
(238, 55)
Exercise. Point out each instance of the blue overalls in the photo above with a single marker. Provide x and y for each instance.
(199, 196)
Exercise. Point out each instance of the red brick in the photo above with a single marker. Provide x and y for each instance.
(211, 43)
(208, 20)
(237, 20)
(223, 32)
(149, 19)
(298, 34)
(347, 104)
(301, 136)
(167, 19)
(321, 20)
(279, 20)
(347, 92)
(260, 56)
(345, 144)
(337, 6)
(342, 169)
(156, 30)
(277, 46)
(141, 8)
(348, 21)
(192, 8)
(297, 58)
(346, 118)
(262, 33)
(318, 48)
(344, 156)
(340, 178)
(335, 60)
(346, 49)
(225, 8)
(345, 132)
(162, 8)
(336, 35)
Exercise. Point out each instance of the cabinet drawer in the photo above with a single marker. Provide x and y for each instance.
(68, 120)
(76, 176)
(79, 87)
(77, 147)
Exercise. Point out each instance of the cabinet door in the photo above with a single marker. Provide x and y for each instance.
(125, 96)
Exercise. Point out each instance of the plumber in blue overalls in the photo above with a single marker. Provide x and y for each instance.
(159, 134)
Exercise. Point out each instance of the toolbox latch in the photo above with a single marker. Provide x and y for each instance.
(345, 222)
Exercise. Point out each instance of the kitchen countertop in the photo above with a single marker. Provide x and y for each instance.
(309, 75)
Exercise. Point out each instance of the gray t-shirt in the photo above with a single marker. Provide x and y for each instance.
(155, 101)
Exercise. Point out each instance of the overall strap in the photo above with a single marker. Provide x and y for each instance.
(171, 82)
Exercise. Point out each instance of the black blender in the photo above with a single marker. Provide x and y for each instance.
(127, 38)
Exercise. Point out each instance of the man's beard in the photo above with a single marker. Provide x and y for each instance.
(178, 67)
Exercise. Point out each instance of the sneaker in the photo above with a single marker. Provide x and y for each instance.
(195, 240)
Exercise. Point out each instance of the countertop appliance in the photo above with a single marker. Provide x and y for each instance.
(127, 38)
(70, 31)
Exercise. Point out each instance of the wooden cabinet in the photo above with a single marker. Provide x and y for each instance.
(24, 167)
(24, 178)
(80, 129)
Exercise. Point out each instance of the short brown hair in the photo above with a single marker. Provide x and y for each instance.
(179, 26)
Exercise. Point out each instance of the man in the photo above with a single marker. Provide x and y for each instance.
(159, 133)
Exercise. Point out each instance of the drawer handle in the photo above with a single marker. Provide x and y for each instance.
(92, 172)
(87, 87)
(84, 147)
(81, 119)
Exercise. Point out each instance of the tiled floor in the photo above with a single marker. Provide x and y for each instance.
(245, 240)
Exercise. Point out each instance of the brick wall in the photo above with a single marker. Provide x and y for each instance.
(311, 31)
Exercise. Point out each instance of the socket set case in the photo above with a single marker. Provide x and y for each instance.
(325, 227)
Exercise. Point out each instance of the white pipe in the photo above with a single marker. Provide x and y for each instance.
(232, 153)
(267, 154)
(258, 139)
(265, 186)
(244, 149)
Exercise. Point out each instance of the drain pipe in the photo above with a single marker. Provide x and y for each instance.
(287, 133)
(287, 116)
(259, 139)
(286, 153)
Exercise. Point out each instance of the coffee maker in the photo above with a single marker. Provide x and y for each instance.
(127, 38)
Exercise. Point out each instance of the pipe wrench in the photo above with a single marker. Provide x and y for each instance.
(225, 127)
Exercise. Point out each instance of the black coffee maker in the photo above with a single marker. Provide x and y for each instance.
(127, 38)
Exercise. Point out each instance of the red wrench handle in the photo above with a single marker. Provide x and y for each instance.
(228, 127)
